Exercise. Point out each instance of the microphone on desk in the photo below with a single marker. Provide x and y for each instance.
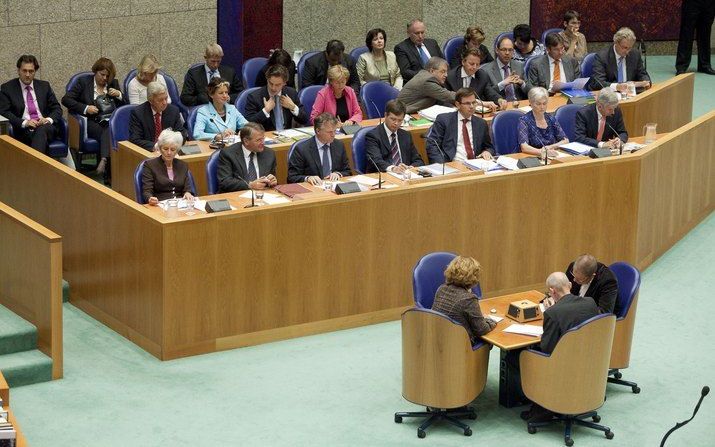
(253, 194)
(481, 108)
(379, 172)
(444, 159)
(377, 110)
(221, 144)
(546, 151)
(703, 393)
(620, 146)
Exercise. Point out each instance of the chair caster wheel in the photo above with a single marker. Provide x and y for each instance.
(609, 434)
(473, 416)
(467, 431)
(398, 419)
(618, 375)
(596, 419)
(421, 433)
(531, 430)
(568, 442)
(635, 390)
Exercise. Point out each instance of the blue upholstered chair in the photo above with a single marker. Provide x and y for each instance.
(307, 96)
(577, 364)
(629, 282)
(212, 172)
(509, 34)
(191, 121)
(504, 130)
(250, 70)
(374, 95)
(549, 31)
(292, 148)
(242, 99)
(450, 46)
(301, 66)
(428, 275)
(171, 87)
(59, 147)
(587, 65)
(356, 52)
(138, 183)
(566, 116)
(358, 149)
(119, 125)
(80, 140)
(527, 65)
(441, 369)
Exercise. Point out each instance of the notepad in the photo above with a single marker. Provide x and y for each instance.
(575, 148)
(525, 329)
(365, 180)
(436, 169)
(480, 164)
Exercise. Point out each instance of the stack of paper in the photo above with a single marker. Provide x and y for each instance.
(525, 329)
(436, 169)
(407, 175)
(509, 163)
(365, 180)
(574, 148)
(268, 198)
(481, 164)
(431, 112)
(292, 134)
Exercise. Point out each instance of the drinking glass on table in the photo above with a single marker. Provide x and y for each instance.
(259, 195)
(190, 206)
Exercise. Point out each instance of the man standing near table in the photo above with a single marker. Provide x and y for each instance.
(695, 15)
(592, 279)
(247, 164)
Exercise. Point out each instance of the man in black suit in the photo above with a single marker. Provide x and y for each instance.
(595, 123)
(413, 53)
(197, 79)
(460, 135)
(592, 279)
(276, 106)
(247, 164)
(469, 75)
(315, 70)
(390, 147)
(148, 119)
(696, 15)
(319, 158)
(30, 106)
(618, 64)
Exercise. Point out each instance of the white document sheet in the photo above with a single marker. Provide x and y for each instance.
(525, 329)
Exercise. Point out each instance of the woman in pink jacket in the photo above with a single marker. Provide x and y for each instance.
(337, 99)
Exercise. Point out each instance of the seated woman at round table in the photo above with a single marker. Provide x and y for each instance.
(538, 128)
(166, 177)
(455, 299)
(378, 64)
(337, 98)
(147, 71)
(218, 119)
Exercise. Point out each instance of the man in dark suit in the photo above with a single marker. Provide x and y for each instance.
(390, 147)
(507, 74)
(247, 164)
(148, 119)
(315, 70)
(194, 93)
(553, 66)
(592, 279)
(469, 75)
(31, 106)
(595, 123)
(413, 53)
(696, 15)
(276, 106)
(319, 158)
(618, 64)
(460, 135)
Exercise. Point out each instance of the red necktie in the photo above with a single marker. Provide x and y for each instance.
(157, 126)
(467, 140)
(601, 128)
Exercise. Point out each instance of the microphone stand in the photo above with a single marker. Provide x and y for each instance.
(444, 158)
(703, 393)
(253, 194)
(221, 144)
(377, 110)
(379, 172)
(481, 107)
(546, 151)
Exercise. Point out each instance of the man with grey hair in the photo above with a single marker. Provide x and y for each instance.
(321, 157)
(148, 119)
(248, 163)
(590, 278)
(601, 124)
(427, 88)
(619, 64)
(197, 79)
(414, 52)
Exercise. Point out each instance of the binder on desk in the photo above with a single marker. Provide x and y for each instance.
(291, 189)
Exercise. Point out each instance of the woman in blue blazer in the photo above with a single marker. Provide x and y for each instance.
(218, 119)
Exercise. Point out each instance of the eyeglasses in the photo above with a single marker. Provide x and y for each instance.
(473, 103)
(506, 50)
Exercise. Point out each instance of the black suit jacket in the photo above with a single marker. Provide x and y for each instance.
(305, 160)
(156, 182)
(254, 110)
(603, 288)
(444, 131)
(480, 84)
(141, 124)
(315, 71)
(12, 102)
(232, 166)
(194, 93)
(377, 147)
(586, 126)
(567, 313)
(82, 95)
(605, 68)
(409, 60)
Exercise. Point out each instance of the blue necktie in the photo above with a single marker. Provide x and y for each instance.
(252, 175)
(278, 112)
(326, 160)
(620, 70)
(423, 55)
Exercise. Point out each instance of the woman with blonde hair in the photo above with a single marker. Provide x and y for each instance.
(147, 71)
(337, 98)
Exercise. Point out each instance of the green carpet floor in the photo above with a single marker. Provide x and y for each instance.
(342, 388)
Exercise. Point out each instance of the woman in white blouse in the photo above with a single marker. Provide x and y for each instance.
(147, 71)
(377, 64)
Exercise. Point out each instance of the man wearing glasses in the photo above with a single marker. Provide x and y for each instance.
(506, 74)
(591, 278)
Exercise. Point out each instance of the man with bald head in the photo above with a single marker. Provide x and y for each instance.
(592, 279)
(413, 53)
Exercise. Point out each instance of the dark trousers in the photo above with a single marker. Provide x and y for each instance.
(100, 132)
(696, 17)
(39, 138)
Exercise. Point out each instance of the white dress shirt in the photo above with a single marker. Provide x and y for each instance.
(26, 113)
